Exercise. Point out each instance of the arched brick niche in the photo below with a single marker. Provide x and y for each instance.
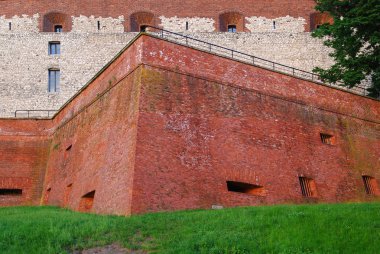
(54, 20)
(231, 19)
(318, 18)
(141, 19)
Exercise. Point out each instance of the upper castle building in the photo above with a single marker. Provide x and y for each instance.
(50, 49)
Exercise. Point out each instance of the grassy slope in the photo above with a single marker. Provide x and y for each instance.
(343, 228)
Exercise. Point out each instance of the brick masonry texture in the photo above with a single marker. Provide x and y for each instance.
(164, 127)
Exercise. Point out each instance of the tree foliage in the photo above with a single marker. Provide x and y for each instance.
(355, 38)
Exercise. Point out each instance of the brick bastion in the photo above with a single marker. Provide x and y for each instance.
(166, 127)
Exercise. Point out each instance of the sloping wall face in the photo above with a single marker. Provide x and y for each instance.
(216, 132)
(94, 151)
(24, 149)
(196, 135)
(91, 159)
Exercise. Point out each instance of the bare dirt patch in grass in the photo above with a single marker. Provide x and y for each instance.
(110, 249)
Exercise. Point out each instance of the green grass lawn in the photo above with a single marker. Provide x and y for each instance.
(342, 228)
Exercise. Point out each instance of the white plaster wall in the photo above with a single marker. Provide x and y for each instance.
(25, 62)
(195, 24)
(83, 24)
(282, 24)
(19, 24)
(298, 50)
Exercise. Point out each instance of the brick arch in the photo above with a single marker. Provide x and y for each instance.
(56, 18)
(141, 18)
(231, 18)
(318, 18)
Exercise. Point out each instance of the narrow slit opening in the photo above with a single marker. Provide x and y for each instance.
(10, 192)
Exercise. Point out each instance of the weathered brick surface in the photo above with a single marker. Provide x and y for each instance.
(164, 127)
(210, 120)
(99, 126)
(24, 149)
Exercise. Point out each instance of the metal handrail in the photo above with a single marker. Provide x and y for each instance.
(29, 111)
(186, 40)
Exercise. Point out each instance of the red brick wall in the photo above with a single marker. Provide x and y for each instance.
(115, 8)
(23, 155)
(94, 143)
(164, 127)
(194, 135)
(209, 120)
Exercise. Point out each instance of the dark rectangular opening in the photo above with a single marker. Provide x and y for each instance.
(58, 28)
(231, 28)
(327, 139)
(69, 147)
(10, 192)
(98, 25)
(370, 185)
(308, 187)
(246, 188)
(54, 48)
(87, 201)
(53, 80)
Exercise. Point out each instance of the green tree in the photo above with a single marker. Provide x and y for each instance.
(355, 38)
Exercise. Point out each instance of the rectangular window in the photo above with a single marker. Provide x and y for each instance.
(54, 48)
(10, 192)
(327, 139)
(231, 28)
(308, 188)
(370, 185)
(54, 76)
(58, 29)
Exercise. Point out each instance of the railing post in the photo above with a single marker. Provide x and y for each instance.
(232, 53)
(293, 71)
(210, 47)
(273, 65)
(28, 113)
(162, 33)
(187, 44)
(253, 60)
